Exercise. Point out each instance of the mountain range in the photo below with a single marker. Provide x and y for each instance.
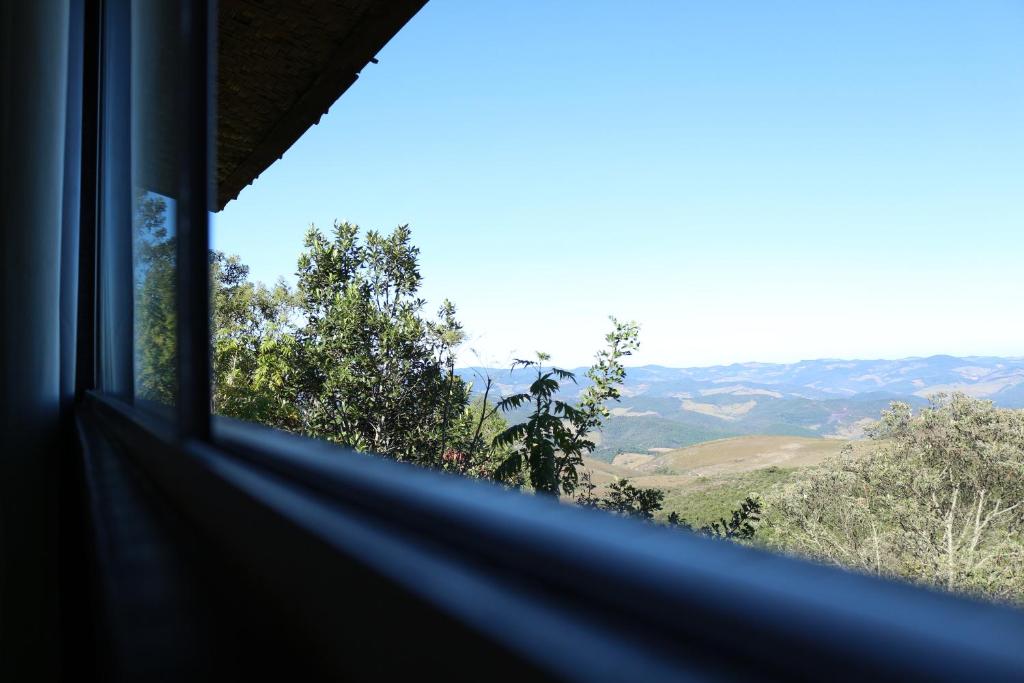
(665, 408)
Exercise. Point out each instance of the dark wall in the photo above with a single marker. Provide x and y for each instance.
(33, 89)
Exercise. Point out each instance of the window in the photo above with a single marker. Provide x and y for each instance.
(336, 548)
(155, 157)
(732, 195)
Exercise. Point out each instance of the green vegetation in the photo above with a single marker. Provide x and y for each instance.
(372, 372)
(740, 526)
(709, 499)
(253, 345)
(622, 498)
(939, 500)
(155, 311)
(551, 443)
(349, 356)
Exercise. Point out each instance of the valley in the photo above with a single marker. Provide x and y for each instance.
(710, 437)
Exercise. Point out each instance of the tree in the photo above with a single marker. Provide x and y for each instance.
(940, 499)
(622, 498)
(373, 372)
(254, 346)
(348, 356)
(547, 449)
(625, 499)
(470, 435)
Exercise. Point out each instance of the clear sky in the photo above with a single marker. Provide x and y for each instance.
(749, 180)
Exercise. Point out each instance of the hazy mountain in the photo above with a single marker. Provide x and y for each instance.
(674, 407)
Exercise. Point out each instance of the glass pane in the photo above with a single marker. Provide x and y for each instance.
(154, 163)
(812, 211)
(155, 318)
(114, 305)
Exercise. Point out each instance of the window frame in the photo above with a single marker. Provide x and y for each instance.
(537, 586)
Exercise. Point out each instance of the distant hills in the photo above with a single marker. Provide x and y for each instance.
(676, 407)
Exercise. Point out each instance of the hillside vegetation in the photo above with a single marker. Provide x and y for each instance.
(935, 497)
(939, 499)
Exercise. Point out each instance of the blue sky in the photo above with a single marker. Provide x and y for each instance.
(749, 180)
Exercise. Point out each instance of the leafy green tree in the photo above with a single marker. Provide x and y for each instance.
(253, 330)
(939, 499)
(546, 450)
(374, 373)
(546, 446)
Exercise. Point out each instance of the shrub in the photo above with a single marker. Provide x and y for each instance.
(938, 500)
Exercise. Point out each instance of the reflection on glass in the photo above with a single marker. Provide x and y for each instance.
(155, 318)
(155, 143)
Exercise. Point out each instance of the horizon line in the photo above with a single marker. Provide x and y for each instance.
(769, 363)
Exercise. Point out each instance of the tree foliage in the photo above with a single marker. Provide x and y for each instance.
(742, 525)
(374, 373)
(347, 355)
(470, 448)
(547, 449)
(623, 498)
(940, 499)
(155, 319)
(254, 346)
